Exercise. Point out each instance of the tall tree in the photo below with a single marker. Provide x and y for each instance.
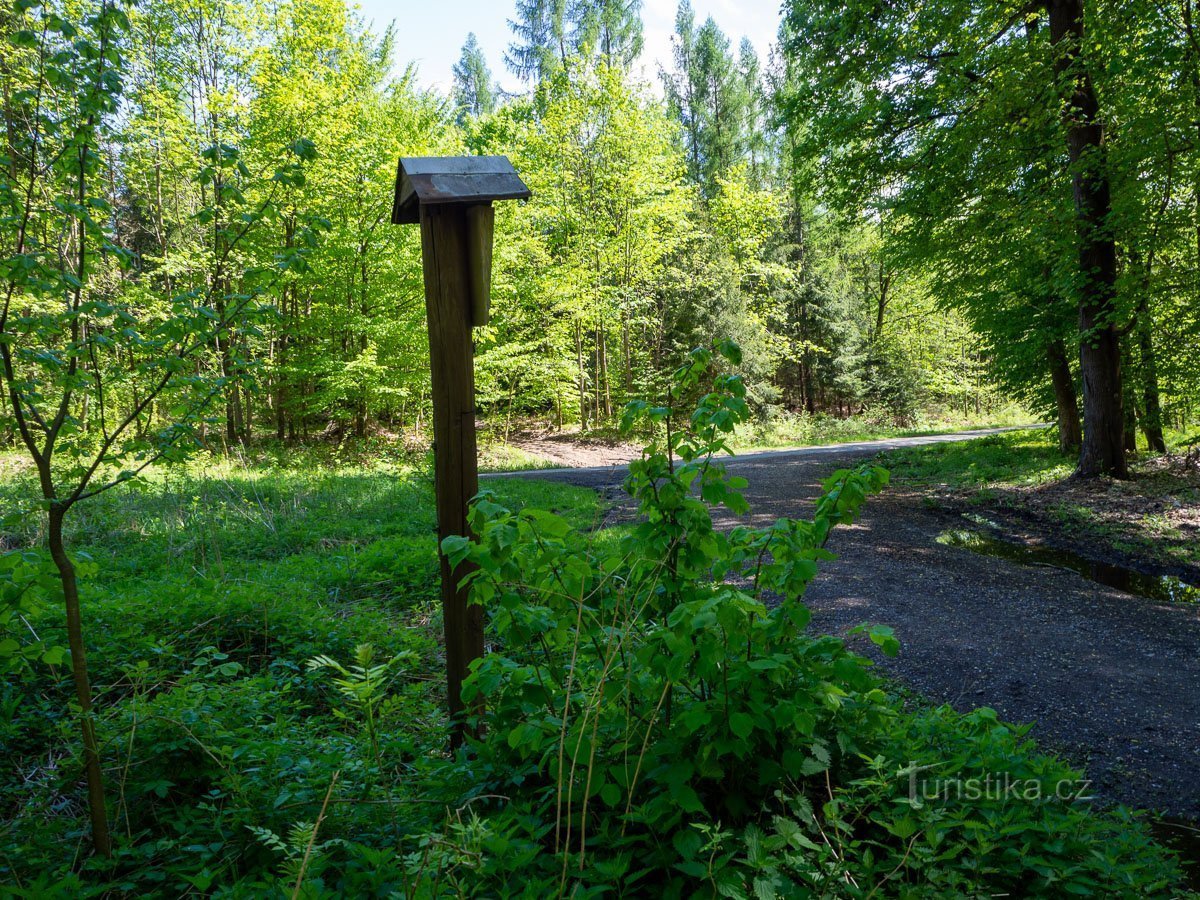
(474, 93)
(956, 129)
(1103, 449)
(709, 95)
(758, 146)
(612, 29)
(682, 85)
(545, 32)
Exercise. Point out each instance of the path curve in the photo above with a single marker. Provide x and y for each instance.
(1110, 680)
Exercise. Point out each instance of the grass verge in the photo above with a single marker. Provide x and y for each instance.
(1151, 520)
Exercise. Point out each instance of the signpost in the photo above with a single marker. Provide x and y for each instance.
(451, 198)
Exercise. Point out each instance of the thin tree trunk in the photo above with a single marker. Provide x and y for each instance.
(83, 688)
(1152, 418)
(1194, 58)
(1102, 450)
(1129, 438)
(626, 356)
(583, 410)
(1069, 438)
(602, 337)
(596, 382)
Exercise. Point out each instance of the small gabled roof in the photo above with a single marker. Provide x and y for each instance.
(428, 180)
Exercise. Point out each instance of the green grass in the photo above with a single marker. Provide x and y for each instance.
(1025, 458)
(214, 585)
(807, 431)
(1129, 518)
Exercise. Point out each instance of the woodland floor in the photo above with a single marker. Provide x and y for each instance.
(1109, 679)
(571, 450)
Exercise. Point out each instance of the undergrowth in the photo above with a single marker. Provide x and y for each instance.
(655, 718)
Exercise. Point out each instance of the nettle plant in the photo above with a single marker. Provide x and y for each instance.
(648, 688)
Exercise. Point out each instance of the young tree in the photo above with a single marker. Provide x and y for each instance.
(85, 353)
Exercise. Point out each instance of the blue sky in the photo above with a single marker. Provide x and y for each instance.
(432, 32)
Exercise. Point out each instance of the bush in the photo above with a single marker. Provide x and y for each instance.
(659, 722)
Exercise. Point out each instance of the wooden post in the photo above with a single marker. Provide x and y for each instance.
(456, 474)
(452, 198)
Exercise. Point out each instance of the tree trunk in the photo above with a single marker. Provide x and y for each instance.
(280, 415)
(1193, 45)
(1152, 418)
(1129, 439)
(583, 410)
(1102, 450)
(83, 688)
(626, 356)
(597, 409)
(602, 335)
(1064, 398)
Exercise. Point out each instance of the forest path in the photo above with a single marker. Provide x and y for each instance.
(1109, 679)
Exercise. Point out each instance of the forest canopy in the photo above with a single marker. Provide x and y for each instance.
(662, 213)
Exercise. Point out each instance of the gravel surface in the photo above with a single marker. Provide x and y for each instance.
(1109, 680)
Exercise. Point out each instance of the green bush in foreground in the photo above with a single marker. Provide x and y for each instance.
(653, 727)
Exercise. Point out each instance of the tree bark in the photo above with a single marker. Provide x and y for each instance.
(583, 410)
(1102, 450)
(626, 356)
(1064, 398)
(602, 337)
(79, 672)
(1152, 417)
(1129, 438)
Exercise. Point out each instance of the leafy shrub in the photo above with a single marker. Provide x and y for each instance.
(774, 763)
(659, 722)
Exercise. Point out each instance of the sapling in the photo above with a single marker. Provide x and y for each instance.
(101, 384)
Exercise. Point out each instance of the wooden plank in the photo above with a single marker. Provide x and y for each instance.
(447, 304)
(457, 165)
(425, 180)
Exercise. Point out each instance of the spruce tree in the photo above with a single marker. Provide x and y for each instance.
(474, 92)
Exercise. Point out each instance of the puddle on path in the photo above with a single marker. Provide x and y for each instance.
(1164, 588)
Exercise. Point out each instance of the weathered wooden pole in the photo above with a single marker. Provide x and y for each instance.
(451, 198)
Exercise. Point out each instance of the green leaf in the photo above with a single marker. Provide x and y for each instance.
(54, 656)
(741, 724)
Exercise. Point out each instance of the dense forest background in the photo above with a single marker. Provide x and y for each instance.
(892, 231)
(662, 214)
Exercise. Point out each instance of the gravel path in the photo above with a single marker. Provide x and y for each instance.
(1110, 680)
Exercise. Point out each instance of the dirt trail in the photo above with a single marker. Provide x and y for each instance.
(568, 449)
(1109, 679)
